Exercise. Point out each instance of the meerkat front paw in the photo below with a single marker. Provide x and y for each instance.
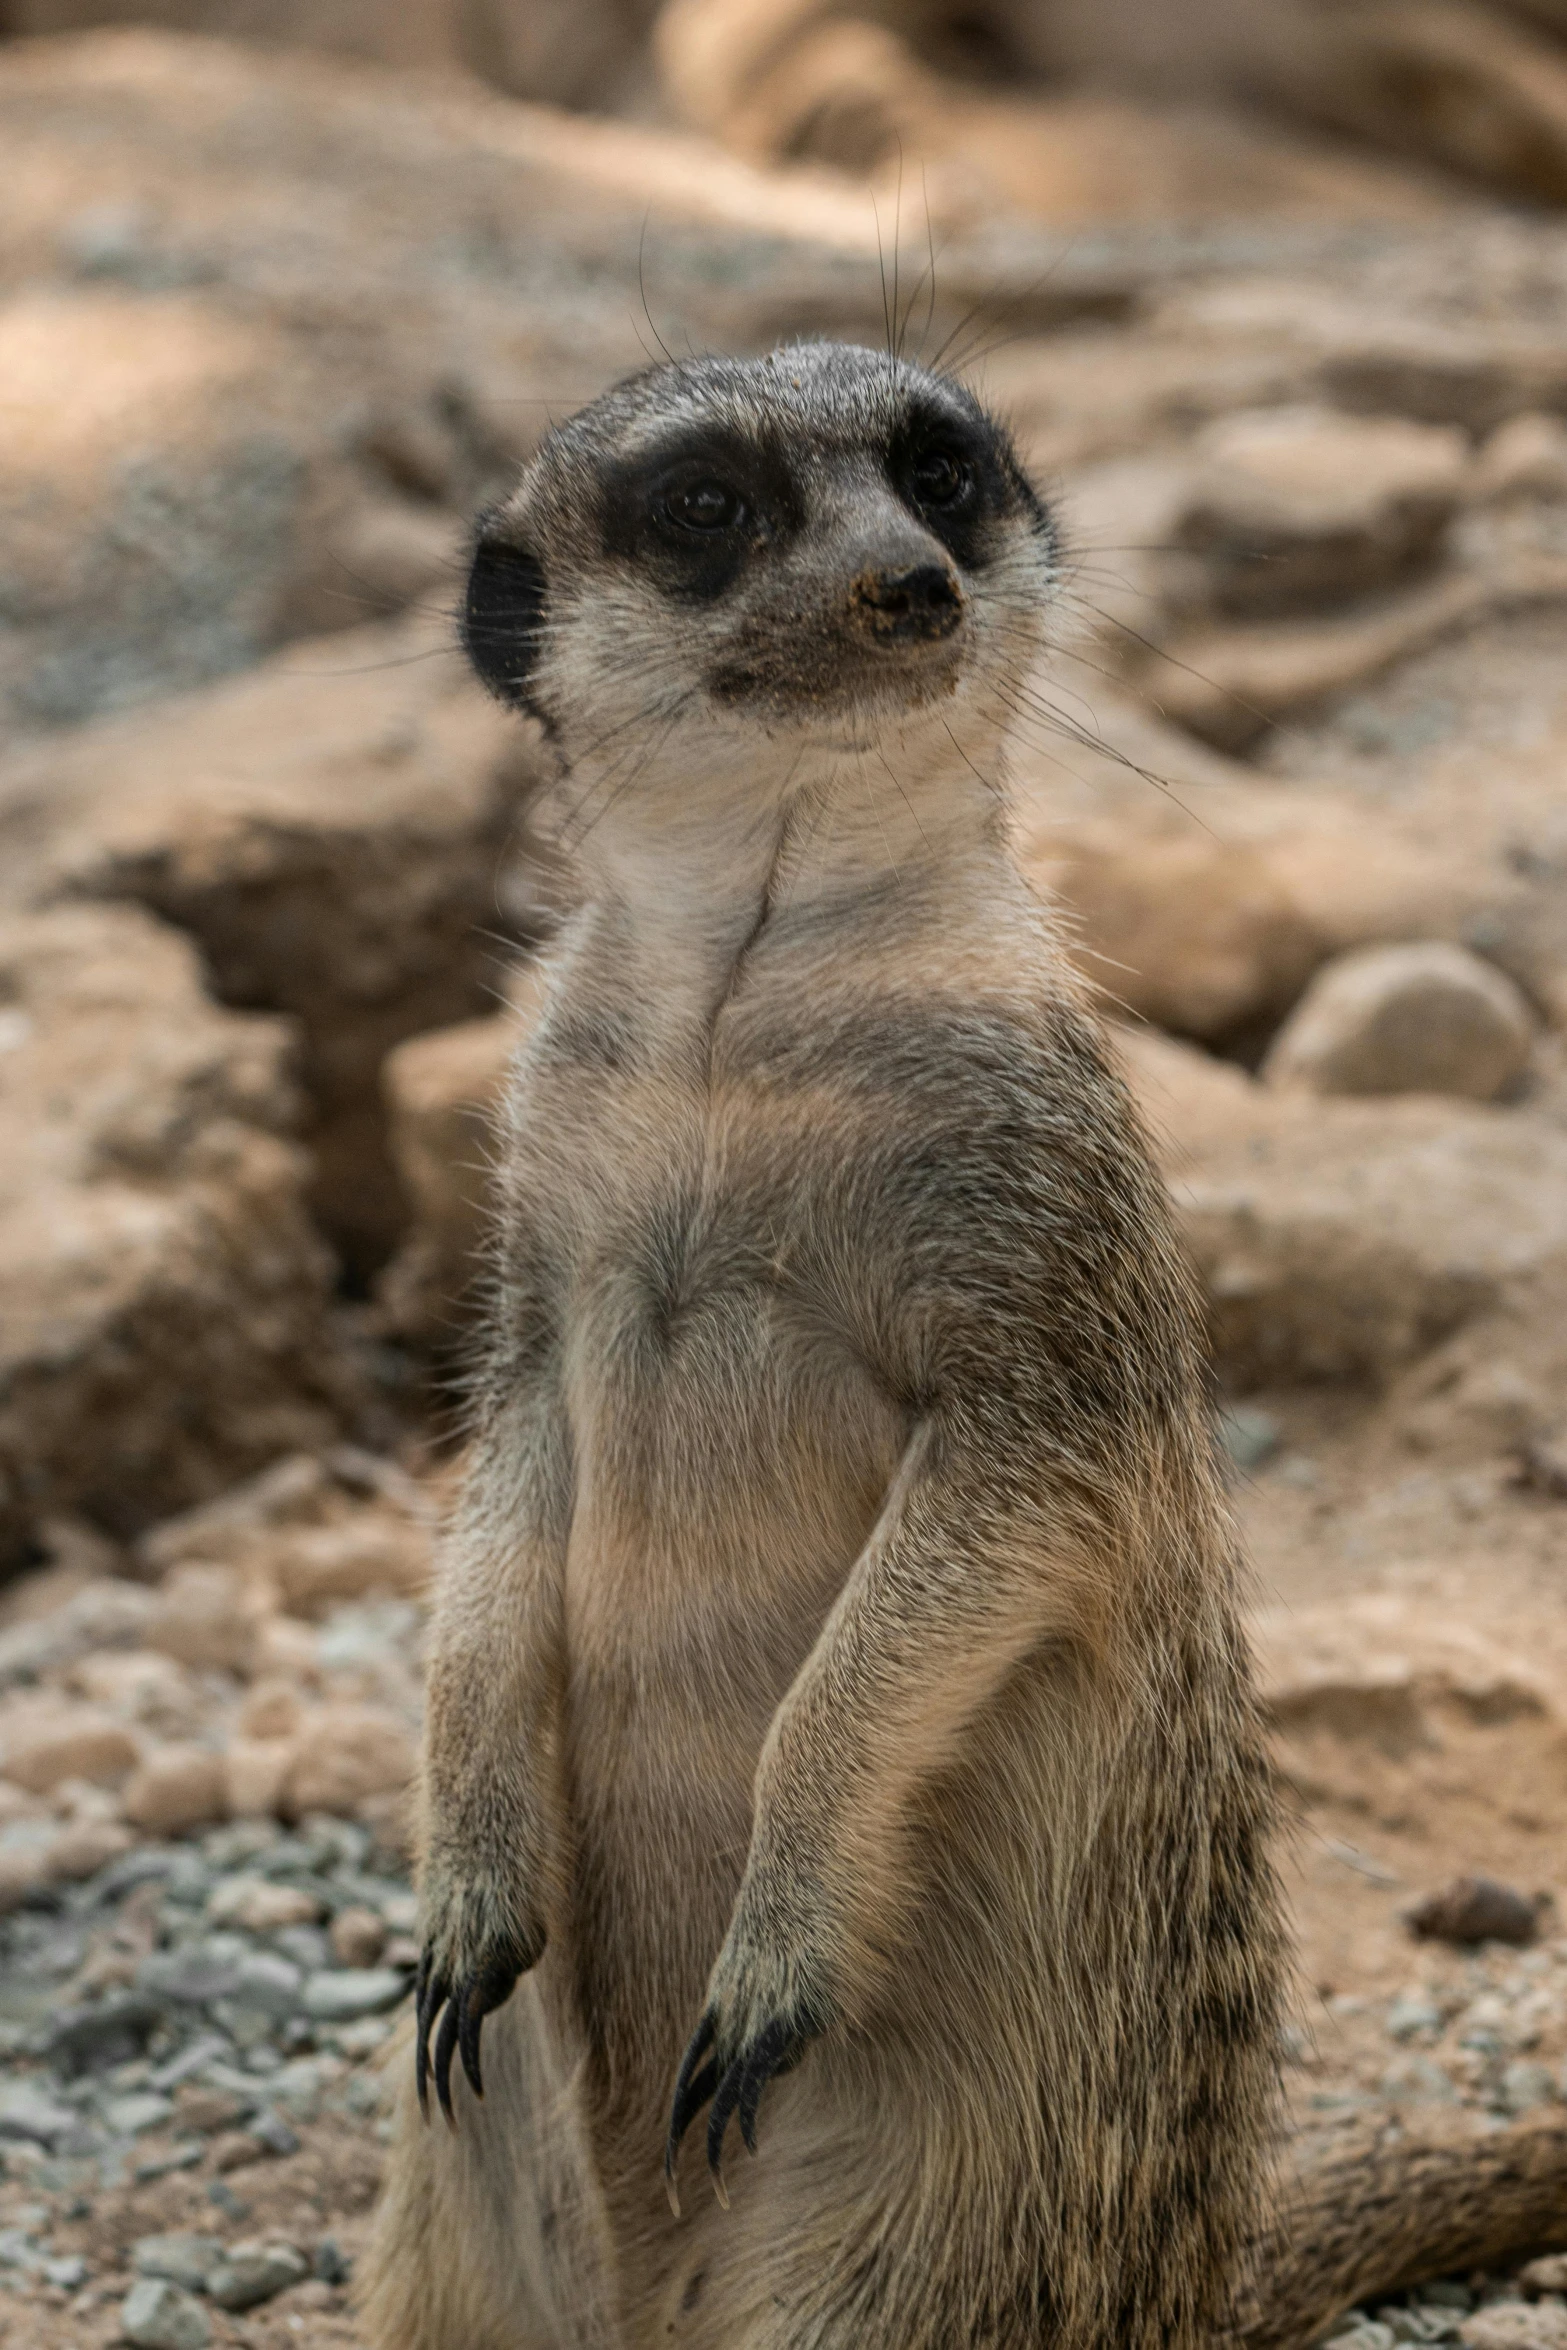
(767, 1999)
(476, 1945)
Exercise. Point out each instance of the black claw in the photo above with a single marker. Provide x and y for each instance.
(430, 1995)
(734, 2088)
(775, 2051)
(725, 2098)
(445, 2049)
(465, 2008)
(468, 2028)
(692, 2088)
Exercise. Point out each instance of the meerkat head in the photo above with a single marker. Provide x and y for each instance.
(825, 546)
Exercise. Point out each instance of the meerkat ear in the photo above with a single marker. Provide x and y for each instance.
(503, 615)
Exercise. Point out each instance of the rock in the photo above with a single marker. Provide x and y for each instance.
(91, 2039)
(255, 1775)
(358, 1936)
(1429, 1018)
(1230, 684)
(87, 1846)
(1249, 1437)
(158, 2315)
(164, 1292)
(340, 1994)
(304, 1535)
(155, 493)
(331, 831)
(347, 1753)
(197, 1974)
(443, 1093)
(137, 2110)
(1542, 1464)
(45, 1741)
(261, 1907)
(210, 1618)
(1292, 507)
(272, 1708)
(1198, 934)
(1517, 2325)
(378, 1550)
(145, 1687)
(103, 1614)
(268, 1981)
(251, 2273)
(29, 2113)
(180, 2259)
(1548, 2274)
(1462, 85)
(177, 1789)
(1524, 2085)
(1475, 1909)
(566, 55)
(1524, 458)
(1334, 1239)
(1408, 2016)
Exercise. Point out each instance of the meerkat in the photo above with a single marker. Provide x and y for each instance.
(841, 1742)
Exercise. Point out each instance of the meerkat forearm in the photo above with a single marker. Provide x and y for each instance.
(493, 1820)
(949, 1595)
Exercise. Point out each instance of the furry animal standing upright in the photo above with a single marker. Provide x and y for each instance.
(835, 1668)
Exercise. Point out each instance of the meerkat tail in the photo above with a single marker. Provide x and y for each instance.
(1376, 2217)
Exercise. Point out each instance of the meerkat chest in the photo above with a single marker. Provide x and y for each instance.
(728, 1436)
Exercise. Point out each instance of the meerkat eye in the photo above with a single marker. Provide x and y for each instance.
(938, 478)
(705, 505)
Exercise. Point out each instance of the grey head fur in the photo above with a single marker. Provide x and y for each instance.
(818, 546)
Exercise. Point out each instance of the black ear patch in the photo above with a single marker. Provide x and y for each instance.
(503, 616)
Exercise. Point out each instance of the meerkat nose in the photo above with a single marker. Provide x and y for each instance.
(917, 601)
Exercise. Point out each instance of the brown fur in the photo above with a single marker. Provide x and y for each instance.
(840, 1630)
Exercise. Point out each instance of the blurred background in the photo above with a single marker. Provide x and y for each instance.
(1274, 295)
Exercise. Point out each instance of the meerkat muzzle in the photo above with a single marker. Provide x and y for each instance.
(917, 605)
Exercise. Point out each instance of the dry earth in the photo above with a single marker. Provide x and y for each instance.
(1296, 770)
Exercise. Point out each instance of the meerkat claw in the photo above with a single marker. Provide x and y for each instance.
(429, 1997)
(693, 2087)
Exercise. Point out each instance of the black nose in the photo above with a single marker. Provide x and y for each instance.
(921, 602)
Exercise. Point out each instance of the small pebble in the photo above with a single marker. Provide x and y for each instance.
(156, 2315)
(179, 2259)
(1474, 1909)
(339, 1995)
(1410, 2015)
(358, 1937)
(142, 2109)
(252, 2273)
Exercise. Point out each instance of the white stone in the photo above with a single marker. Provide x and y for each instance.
(1425, 1018)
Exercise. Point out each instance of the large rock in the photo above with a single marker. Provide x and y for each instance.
(443, 1093)
(565, 51)
(332, 831)
(1174, 924)
(1463, 84)
(163, 1297)
(1298, 506)
(1425, 1018)
(1338, 1240)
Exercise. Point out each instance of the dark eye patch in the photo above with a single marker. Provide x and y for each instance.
(503, 616)
(954, 472)
(694, 511)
